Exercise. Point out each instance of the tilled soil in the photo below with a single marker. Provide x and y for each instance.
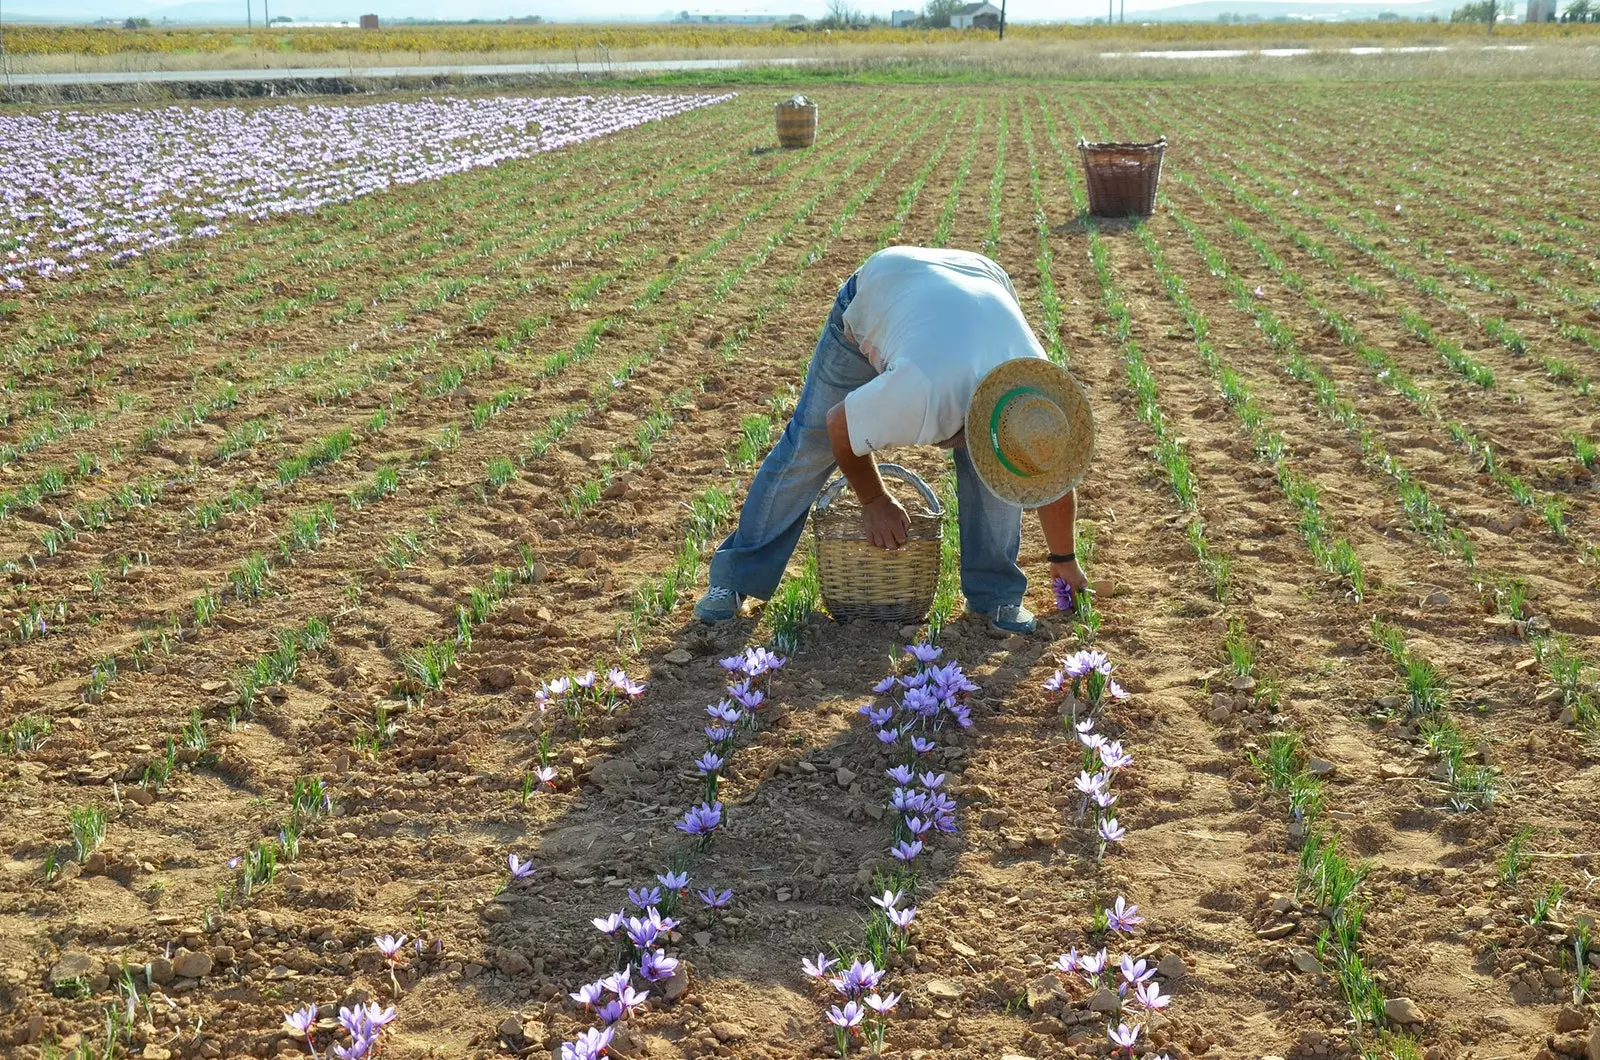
(549, 310)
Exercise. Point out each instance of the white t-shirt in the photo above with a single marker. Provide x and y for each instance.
(933, 323)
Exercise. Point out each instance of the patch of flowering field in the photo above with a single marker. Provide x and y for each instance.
(78, 187)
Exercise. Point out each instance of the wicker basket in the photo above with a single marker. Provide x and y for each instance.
(1122, 177)
(862, 581)
(797, 122)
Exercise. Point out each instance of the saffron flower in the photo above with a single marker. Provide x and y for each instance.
(1122, 1036)
(546, 775)
(301, 1021)
(632, 999)
(390, 946)
(624, 684)
(610, 925)
(610, 1012)
(901, 918)
(678, 881)
(882, 1005)
(1123, 917)
(718, 734)
(642, 932)
(1066, 599)
(859, 978)
(906, 851)
(901, 775)
(886, 685)
(716, 901)
(1067, 962)
(590, 1045)
(1135, 972)
(924, 653)
(888, 735)
(848, 1016)
(922, 746)
(655, 965)
(1150, 997)
(889, 900)
(589, 994)
(930, 780)
(644, 898)
(818, 969)
(586, 681)
(1113, 757)
(708, 763)
(702, 820)
(1111, 831)
(520, 870)
(1091, 965)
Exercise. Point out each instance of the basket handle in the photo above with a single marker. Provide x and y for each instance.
(831, 491)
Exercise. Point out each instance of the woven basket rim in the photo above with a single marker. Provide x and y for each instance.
(1121, 145)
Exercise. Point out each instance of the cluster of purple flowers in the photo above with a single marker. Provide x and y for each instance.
(79, 185)
(749, 684)
(1120, 978)
(1084, 679)
(639, 935)
(364, 1024)
(574, 693)
(865, 1011)
(1103, 760)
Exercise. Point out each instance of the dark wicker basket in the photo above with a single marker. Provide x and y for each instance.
(797, 122)
(1122, 178)
(863, 582)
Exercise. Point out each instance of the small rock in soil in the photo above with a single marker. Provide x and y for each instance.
(1172, 967)
(158, 971)
(511, 1027)
(1570, 1019)
(944, 989)
(1402, 1010)
(678, 657)
(74, 964)
(1320, 767)
(729, 1032)
(189, 965)
(1275, 931)
(1304, 960)
(1104, 1001)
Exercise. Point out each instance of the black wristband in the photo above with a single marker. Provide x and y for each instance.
(1057, 557)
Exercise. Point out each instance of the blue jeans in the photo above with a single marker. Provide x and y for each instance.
(752, 559)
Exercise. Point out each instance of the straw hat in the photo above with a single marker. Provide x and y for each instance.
(1030, 433)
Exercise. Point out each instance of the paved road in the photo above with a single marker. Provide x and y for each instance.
(309, 73)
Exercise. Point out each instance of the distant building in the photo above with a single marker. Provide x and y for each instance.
(1541, 11)
(899, 19)
(976, 16)
(369, 21)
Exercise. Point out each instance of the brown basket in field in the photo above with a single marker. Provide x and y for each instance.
(1122, 178)
(797, 122)
(862, 581)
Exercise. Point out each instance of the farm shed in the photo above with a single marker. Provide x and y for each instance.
(900, 19)
(369, 21)
(976, 16)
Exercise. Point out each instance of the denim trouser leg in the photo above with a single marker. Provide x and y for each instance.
(991, 535)
(752, 559)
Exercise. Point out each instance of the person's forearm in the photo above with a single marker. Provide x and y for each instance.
(860, 471)
(1059, 521)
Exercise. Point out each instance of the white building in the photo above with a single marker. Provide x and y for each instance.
(979, 16)
(900, 19)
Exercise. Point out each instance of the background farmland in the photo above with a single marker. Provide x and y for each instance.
(1346, 424)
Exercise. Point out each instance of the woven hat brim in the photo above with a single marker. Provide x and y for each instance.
(1055, 382)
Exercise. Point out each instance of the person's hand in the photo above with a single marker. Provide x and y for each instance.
(1070, 573)
(885, 522)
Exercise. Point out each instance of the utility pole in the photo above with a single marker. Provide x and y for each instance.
(1122, 11)
(1002, 19)
(5, 60)
(1111, 11)
(247, 23)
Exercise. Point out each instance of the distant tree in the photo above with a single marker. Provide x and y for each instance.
(279, 19)
(937, 12)
(1389, 16)
(841, 15)
(1475, 11)
(136, 23)
(1580, 11)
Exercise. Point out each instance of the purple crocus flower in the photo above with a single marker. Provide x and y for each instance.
(717, 734)
(1091, 783)
(656, 966)
(1067, 962)
(610, 1012)
(1123, 917)
(924, 652)
(546, 775)
(519, 869)
(922, 746)
(882, 1005)
(1116, 691)
(906, 851)
(1113, 757)
(725, 712)
(586, 681)
(708, 763)
(962, 715)
(616, 981)
(901, 918)
(888, 900)
(390, 946)
(716, 901)
(887, 736)
(745, 696)
(589, 994)
(702, 820)
(1122, 1036)
(1150, 997)
(644, 898)
(846, 1017)
(1091, 965)
(1135, 972)
(1066, 599)
(859, 978)
(918, 826)
(1111, 831)
(733, 663)
(674, 881)
(624, 684)
(610, 925)
(632, 999)
(818, 969)
(590, 1045)
(945, 823)
(886, 685)
(901, 775)
(880, 718)
(642, 932)
(931, 780)
(301, 1021)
